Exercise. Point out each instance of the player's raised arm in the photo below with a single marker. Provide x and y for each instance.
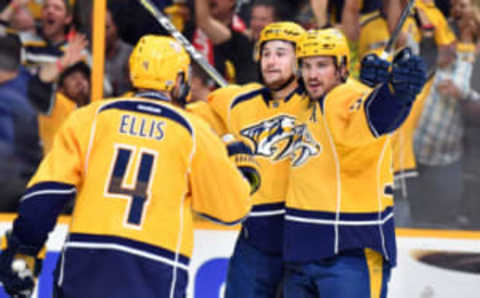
(355, 113)
(390, 103)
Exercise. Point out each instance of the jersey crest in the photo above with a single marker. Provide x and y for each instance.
(282, 137)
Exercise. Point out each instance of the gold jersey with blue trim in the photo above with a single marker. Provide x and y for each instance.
(215, 110)
(342, 197)
(137, 167)
(269, 127)
(203, 110)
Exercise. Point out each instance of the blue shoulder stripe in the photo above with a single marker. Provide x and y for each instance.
(149, 108)
(299, 90)
(247, 96)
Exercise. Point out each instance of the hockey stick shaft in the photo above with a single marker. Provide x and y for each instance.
(198, 57)
(396, 32)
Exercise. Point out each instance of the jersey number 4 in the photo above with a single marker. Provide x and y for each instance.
(138, 192)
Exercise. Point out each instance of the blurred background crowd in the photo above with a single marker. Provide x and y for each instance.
(45, 66)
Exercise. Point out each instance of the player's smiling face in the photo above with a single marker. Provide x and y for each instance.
(320, 75)
(277, 62)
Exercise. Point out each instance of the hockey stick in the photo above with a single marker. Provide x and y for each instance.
(396, 32)
(199, 58)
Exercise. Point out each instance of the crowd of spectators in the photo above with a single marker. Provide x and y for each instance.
(45, 69)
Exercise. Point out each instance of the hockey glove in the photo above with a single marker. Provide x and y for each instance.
(409, 74)
(19, 267)
(243, 157)
(374, 70)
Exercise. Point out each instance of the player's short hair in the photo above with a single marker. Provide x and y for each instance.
(10, 52)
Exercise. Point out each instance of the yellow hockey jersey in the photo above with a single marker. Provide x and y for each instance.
(215, 114)
(48, 125)
(341, 197)
(205, 111)
(268, 126)
(138, 169)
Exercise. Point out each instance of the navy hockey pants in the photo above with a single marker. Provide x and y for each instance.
(253, 273)
(353, 274)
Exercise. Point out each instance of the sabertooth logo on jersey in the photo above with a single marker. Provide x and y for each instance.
(281, 137)
(303, 146)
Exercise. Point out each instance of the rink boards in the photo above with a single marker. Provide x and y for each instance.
(431, 264)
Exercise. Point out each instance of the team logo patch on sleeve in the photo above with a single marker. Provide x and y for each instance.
(282, 137)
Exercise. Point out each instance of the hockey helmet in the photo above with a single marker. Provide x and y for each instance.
(326, 42)
(286, 31)
(156, 61)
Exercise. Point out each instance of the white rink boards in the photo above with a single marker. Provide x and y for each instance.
(411, 278)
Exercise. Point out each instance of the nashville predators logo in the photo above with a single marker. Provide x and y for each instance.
(282, 137)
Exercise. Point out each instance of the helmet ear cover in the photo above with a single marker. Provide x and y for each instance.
(183, 90)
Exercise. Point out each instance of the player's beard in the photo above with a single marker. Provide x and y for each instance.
(280, 83)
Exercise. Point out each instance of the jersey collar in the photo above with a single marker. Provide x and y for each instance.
(267, 93)
(152, 95)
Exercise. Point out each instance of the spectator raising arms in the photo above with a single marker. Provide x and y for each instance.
(73, 91)
(220, 37)
(438, 138)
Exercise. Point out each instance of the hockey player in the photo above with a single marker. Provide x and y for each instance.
(264, 116)
(339, 231)
(136, 167)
